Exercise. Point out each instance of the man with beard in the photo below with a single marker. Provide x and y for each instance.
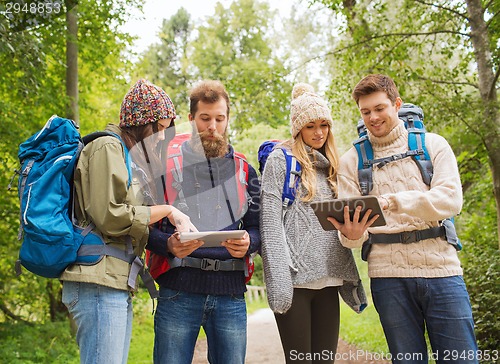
(207, 289)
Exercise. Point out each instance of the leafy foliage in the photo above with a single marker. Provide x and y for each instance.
(480, 255)
(250, 139)
(48, 343)
(167, 63)
(232, 46)
(32, 88)
(483, 281)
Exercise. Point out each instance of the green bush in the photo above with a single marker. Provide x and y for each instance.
(481, 261)
(482, 276)
(51, 342)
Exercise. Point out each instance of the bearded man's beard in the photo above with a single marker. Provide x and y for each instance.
(215, 147)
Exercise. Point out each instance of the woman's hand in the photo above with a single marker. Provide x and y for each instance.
(353, 230)
(181, 221)
(237, 247)
(182, 250)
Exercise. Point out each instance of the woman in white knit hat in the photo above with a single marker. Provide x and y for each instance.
(306, 267)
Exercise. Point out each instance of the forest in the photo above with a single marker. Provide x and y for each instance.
(78, 63)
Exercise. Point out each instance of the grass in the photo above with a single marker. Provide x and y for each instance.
(141, 346)
(362, 330)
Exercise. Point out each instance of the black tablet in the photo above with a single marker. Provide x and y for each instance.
(335, 209)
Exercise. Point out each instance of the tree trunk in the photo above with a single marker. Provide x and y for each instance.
(487, 80)
(57, 309)
(72, 60)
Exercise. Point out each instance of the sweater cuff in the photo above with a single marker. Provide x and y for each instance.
(157, 242)
(392, 204)
(348, 243)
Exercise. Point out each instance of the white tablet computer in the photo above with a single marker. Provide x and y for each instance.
(335, 209)
(212, 238)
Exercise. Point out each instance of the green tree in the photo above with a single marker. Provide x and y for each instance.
(234, 46)
(250, 139)
(32, 88)
(166, 63)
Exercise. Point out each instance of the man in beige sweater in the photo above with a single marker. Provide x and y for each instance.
(417, 284)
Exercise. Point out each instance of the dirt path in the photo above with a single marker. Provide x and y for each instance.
(264, 345)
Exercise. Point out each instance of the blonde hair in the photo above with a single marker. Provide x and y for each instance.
(308, 176)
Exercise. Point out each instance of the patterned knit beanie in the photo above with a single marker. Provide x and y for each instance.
(145, 103)
(306, 106)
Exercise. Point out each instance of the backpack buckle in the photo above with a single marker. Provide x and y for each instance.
(410, 236)
(210, 264)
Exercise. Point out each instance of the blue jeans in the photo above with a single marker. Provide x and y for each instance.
(103, 317)
(407, 306)
(180, 315)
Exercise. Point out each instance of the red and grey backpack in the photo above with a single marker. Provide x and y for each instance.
(159, 264)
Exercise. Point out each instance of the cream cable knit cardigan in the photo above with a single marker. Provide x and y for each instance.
(412, 206)
(295, 249)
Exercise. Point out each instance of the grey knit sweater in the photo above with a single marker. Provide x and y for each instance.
(295, 248)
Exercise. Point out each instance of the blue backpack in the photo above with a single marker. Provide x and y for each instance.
(413, 118)
(51, 238)
(293, 169)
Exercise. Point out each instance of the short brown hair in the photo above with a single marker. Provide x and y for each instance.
(374, 83)
(208, 91)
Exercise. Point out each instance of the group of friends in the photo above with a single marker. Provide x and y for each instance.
(416, 287)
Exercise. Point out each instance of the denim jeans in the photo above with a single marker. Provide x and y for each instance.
(407, 306)
(103, 317)
(179, 316)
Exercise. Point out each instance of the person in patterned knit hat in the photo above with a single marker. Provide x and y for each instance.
(98, 296)
(306, 267)
(144, 104)
(416, 277)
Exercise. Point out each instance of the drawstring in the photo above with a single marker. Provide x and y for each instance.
(228, 203)
(218, 207)
(197, 187)
(226, 197)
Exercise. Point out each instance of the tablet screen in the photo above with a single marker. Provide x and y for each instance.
(335, 209)
(212, 238)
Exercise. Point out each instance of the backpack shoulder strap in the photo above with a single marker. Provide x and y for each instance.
(292, 177)
(418, 150)
(241, 170)
(173, 182)
(365, 161)
(242, 164)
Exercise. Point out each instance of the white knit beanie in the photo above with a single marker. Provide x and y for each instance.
(306, 106)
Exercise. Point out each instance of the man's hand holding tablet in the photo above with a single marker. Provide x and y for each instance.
(350, 216)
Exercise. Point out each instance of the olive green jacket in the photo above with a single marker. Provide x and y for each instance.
(104, 198)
